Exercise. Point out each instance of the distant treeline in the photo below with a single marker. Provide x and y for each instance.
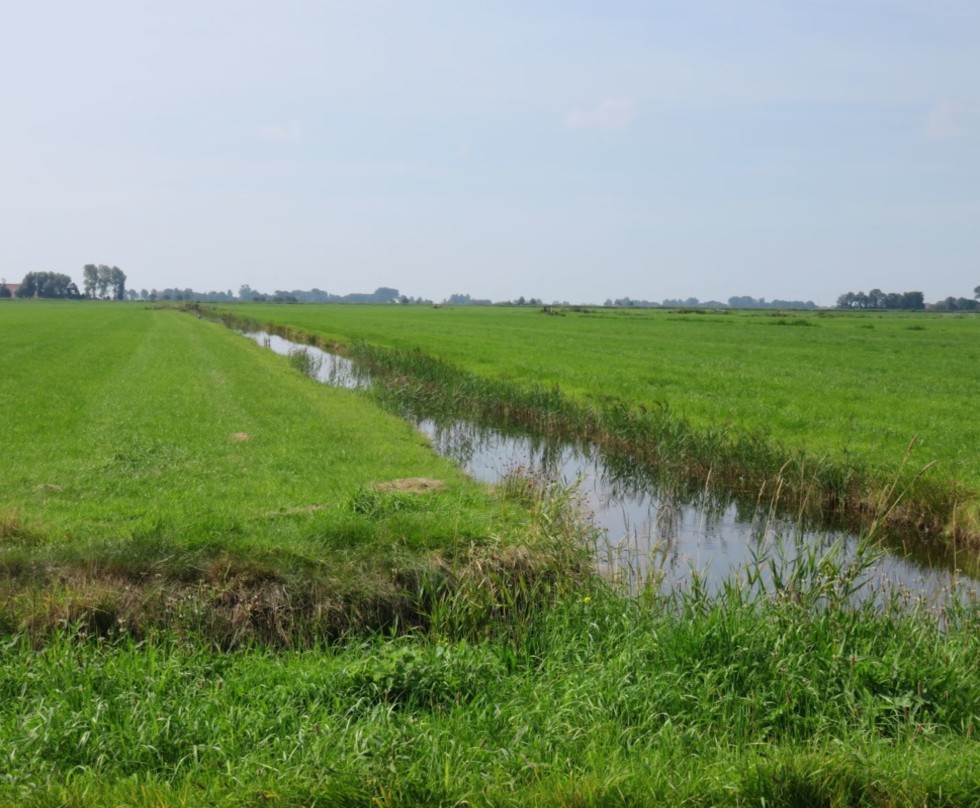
(466, 300)
(905, 301)
(246, 294)
(109, 283)
(105, 282)
(743, 302)
(383, 294)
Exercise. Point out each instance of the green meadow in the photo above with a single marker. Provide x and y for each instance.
(829, 393)
(222, 583)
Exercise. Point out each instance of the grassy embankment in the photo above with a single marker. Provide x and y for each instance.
(161, 469)
(818, 409)
(124, 471)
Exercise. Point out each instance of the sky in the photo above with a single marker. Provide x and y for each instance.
(561, 150)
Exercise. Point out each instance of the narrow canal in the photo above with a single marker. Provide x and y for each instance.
(646, 533)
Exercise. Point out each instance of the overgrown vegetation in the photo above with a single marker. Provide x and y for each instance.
(779, 698)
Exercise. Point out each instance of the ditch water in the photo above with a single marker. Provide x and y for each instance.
(646, 533)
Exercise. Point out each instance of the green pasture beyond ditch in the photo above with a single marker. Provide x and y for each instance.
(848, 391)
(183, 517)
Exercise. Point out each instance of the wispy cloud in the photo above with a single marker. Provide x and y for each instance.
(289, 132)
(946, 121)
(611, 113)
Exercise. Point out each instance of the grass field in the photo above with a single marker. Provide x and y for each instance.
(209, 597)
(850, 393)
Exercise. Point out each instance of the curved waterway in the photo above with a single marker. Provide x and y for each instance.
(646, 533)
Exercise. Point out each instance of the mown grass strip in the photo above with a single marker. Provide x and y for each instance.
(159, 469)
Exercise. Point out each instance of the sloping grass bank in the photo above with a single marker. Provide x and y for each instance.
(907, 500)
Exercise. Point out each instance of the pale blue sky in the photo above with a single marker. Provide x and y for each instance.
(561, 150)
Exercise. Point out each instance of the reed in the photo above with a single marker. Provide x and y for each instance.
(305, 362)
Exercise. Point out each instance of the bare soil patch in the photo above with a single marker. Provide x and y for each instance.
(412, 485)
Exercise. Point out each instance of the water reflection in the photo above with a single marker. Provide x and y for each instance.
(652, 534)
(323, 366)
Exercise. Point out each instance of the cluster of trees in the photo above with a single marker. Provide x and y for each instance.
(46, 284)
(957, 303)
(876, 299)
(463, 300)
(747, 302)
(104, 282)
(99, 281)
(383, 294)
(907, 301)
(630, 303)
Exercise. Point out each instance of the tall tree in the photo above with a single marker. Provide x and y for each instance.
(117, 280)
(90, 279)
(103, 280)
